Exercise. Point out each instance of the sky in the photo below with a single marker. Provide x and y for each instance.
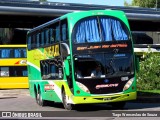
(98, 2)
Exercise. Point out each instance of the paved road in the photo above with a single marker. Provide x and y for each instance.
(23, 102)
(26, 103)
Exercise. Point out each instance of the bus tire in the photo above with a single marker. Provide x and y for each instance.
(39, 99)
(66, 105)
(118, 105)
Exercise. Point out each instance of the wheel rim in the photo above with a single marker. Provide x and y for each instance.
(66, 105)
(38, 98)
(65, 100)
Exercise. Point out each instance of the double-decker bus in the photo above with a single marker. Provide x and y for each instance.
(13, 66)
(78, 42)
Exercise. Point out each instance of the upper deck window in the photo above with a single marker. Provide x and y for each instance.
(13, 53)
(100, 28)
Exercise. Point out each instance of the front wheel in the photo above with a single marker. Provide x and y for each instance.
(66, 105)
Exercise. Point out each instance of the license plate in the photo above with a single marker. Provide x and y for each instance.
(106, 99)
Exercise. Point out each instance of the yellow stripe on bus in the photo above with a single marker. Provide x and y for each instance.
(13, 82)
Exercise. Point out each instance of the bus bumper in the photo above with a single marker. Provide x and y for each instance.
(104, 99)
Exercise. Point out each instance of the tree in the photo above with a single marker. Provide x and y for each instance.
(126, 3)
(144, 3)
(148, 78)
(6, 35)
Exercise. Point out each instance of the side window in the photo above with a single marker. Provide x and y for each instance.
(29, 42)
(25, 73)
(44, 70)
(51, 69)
(20, 71)
(54, 33)
(33, 41)
(13, 53)
(39, 34)
(17, 53)
(51, 36)
(24, 52)
(42, 38)
(64, 30)
(37, 40)
(4, 71)
(6, 53)
(57, 32)
(56, 69)
(47, 37)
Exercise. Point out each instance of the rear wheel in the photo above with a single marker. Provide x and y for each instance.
(66, 105)
(39, 99)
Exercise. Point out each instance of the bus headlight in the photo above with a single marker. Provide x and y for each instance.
(128, 84)
(83, 87)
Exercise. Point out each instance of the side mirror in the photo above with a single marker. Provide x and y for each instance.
(67, 67)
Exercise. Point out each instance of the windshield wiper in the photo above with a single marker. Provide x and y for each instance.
(115, 53)
(118, 74)
(112, 59)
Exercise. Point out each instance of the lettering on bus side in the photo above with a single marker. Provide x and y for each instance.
(52, 51)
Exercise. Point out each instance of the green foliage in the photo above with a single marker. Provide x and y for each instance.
(148, 78)
(126, 3)
(144, 3)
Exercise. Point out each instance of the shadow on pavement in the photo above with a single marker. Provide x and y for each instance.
(133, 105)
(53, 104)
(140, 93)
(146, 97)
(82, 107)
(8, 97)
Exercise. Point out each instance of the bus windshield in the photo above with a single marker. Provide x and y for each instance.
(105, 40)
(111, 65)
(99, 29)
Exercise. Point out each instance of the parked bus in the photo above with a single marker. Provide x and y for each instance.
(13, 66)
(78, 42)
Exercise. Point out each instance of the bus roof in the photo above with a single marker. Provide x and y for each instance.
(33, 13)
(91, 12)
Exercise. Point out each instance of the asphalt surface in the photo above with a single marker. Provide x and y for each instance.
(13, 92)
(19, 100)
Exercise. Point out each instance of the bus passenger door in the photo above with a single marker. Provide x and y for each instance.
(68, 74)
